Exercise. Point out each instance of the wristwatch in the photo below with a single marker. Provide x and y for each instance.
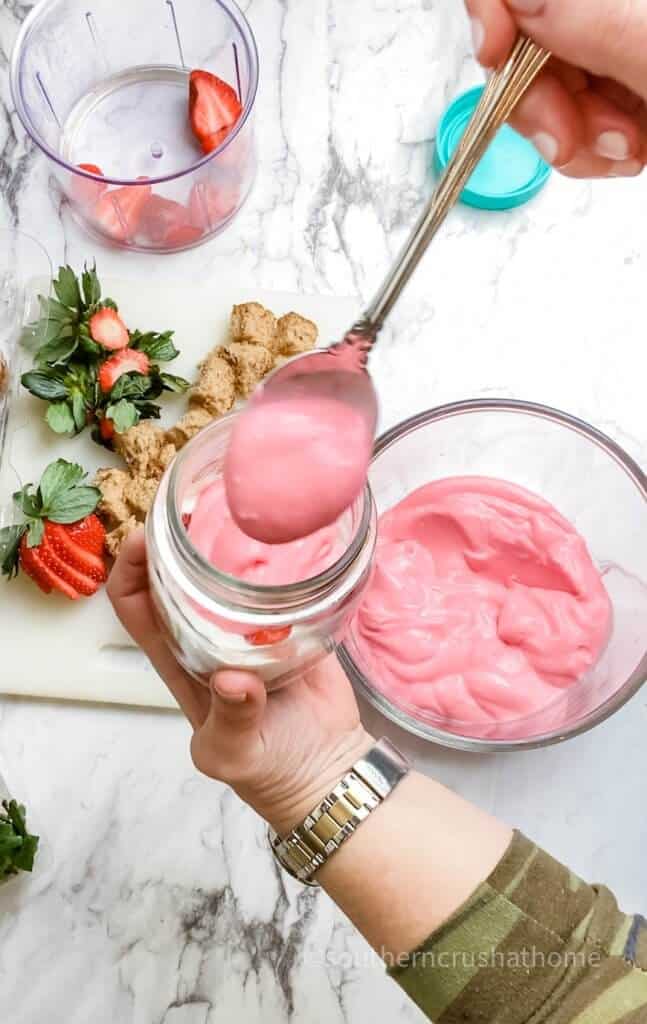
(338, 816)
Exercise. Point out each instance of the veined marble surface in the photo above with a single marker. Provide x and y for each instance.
(156, 900)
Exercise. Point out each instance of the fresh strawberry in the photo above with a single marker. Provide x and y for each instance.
(210, 204)
(265, 637)
(108, 330)
(60, 541)
(36, 566)
(214, 108)
(106, 428)
(75, 557)
(85, 190)
(118, 212)
(128, 360)
(167, 223)
(89, 534)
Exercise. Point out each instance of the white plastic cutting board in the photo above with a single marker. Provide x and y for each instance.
(51, 647)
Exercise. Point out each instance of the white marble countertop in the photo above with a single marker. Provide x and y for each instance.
(156, 899)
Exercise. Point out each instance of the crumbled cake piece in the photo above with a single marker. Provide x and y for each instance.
(139, 494)
(4, 376)
(113, 508)
(250, 363)
(252, 323)
(295, 334)
(215, 389)
(116, 537)
(140, 447)
(190, 425)
(166, 455)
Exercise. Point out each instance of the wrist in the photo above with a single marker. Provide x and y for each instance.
(318, 777)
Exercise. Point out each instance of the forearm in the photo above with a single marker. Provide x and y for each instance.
(412, 863)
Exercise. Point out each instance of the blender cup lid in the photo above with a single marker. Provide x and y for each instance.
(510, 173)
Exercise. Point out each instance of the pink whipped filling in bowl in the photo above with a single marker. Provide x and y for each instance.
(508, 605)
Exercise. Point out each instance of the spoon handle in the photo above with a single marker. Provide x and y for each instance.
(503, 91)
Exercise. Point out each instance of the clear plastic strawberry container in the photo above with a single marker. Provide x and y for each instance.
(106, 84)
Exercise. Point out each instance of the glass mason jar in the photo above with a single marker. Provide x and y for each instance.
(213, 620)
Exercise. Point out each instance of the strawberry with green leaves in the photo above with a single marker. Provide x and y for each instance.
(90, 369)
(60, 541)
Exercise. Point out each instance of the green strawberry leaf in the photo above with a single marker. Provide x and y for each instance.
(91, 286)
(158, 347)
(59, 477)
(59, 349)
(17, 847)
(130, 385)
(148, 410)
(60, 418)
(86, 344)
(35, 533)
(66, 287)
(73, 505)
(52, 309)
(10, 538)
(78, 411)
(173, 383)
(110, 304)
(45, 384)
(28, 502)
(123, 414)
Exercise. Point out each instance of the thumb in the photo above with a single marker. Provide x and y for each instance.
(230, 738)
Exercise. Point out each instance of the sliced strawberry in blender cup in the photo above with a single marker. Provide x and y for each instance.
(214, 108)
(118, 212)
(166, 222)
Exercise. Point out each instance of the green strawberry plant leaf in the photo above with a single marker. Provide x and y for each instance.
(60, 418)
(17, 847)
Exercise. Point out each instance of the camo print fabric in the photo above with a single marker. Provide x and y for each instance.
(533, 945)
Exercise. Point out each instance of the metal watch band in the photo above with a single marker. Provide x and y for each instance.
(339, 815)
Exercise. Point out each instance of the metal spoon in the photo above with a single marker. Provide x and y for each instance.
(347, 359)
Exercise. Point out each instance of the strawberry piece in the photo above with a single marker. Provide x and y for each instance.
(186, 520)
(86, 191)
(84, 567)
(265, 637)
(166, 222)
(128, 360)
(118, 212)
(214, 108)
(210, 204)
(43, 575)
(108, 329)
(89, 533)
(106, 428)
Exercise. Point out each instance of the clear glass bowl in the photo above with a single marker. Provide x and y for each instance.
(212, 620)
(106, 83)
(592, 482)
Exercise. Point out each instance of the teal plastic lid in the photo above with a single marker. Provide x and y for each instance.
(510, 173)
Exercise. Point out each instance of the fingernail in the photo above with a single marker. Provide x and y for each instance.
(229, 698)
(478, 35)
(612, 146)
(626, 169)
(527, 6)
(547, 145)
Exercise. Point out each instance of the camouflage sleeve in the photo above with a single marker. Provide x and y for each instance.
(533, 945)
